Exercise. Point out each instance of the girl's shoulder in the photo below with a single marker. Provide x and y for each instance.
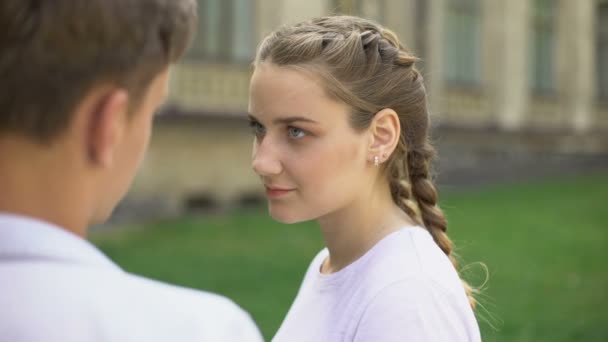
(409, 255)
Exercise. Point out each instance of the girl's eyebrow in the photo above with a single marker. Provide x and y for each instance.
(287, 120)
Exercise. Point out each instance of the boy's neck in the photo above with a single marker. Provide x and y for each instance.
(40, 183)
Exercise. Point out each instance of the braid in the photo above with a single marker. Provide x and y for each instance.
(418, 198)
(423, 189)
(401, 190)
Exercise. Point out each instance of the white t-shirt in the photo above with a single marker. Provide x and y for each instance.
(403, 289)
(57, 287)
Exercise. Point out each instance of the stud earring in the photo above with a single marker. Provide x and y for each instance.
(376, 161)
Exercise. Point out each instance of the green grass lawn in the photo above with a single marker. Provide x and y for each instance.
(544, 244)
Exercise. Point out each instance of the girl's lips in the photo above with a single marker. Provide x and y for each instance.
(274, 192)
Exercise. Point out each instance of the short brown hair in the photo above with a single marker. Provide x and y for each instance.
(54, 52)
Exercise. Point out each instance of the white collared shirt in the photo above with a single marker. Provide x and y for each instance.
(56, 286)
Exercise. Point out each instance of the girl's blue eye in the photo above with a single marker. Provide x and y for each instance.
(257, 128)
(296, 133)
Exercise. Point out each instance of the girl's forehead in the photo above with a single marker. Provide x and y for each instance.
(289, 81)
(290, 92)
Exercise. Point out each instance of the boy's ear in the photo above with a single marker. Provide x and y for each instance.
(385, 132)
(105, 126)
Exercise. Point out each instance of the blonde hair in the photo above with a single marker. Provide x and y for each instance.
(365, 66)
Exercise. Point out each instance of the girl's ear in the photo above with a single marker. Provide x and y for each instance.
(385, 131)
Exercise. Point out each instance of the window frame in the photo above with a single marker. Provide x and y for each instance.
(224, 50)
(542, 49)
(467, 16)
(601, 52)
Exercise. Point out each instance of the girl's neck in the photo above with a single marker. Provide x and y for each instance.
(353, 230)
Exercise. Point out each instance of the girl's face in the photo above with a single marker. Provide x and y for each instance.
(311, 161)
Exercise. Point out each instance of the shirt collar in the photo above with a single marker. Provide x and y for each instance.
(27, 238)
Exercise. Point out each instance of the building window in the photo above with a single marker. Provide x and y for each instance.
(421, 38)
(542, 47)
(369, 9)
(341, 7)
(462, 59)
(602, 51)
(226, 31)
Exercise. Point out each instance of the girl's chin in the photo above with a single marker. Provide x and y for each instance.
(285, 217)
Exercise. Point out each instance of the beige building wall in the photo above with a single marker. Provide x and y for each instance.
(293, 11)
(206, 151)
(505, 43)
(434, 57)
(191, 158)
(400, 16)
(210, 87)
(600, 118)
(576, 57)
(503, 99)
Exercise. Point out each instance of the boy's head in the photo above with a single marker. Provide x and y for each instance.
(55, 52)
(85, 77)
